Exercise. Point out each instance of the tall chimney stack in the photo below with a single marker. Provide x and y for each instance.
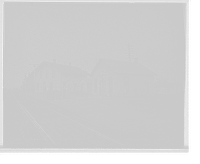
(136, 60)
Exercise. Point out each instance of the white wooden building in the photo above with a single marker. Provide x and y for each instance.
(122, 78)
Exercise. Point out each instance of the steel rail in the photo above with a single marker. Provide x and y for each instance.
(72, 120)
(43, 133)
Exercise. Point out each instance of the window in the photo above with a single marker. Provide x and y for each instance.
(37, 86)
(40, 74)
(95, 85)
(47, 74)
(126, 84)
(53, 73)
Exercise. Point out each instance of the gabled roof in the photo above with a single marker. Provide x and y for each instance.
(65, 70)
(122, 67)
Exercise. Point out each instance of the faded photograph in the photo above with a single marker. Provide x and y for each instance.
(94, 75)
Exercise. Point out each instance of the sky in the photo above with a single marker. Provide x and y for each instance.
(81, 33)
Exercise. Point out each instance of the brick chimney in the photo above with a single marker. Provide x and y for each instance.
(136, 60)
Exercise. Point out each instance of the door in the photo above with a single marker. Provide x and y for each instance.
(110, 86)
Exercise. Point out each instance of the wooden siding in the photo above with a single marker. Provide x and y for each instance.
(41, 81)
(136, 83)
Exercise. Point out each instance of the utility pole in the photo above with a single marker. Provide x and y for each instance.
(34, 65)
(129, 52)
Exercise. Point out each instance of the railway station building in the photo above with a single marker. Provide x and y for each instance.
(122, 78)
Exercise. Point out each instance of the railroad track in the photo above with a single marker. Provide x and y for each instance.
(87, 132)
